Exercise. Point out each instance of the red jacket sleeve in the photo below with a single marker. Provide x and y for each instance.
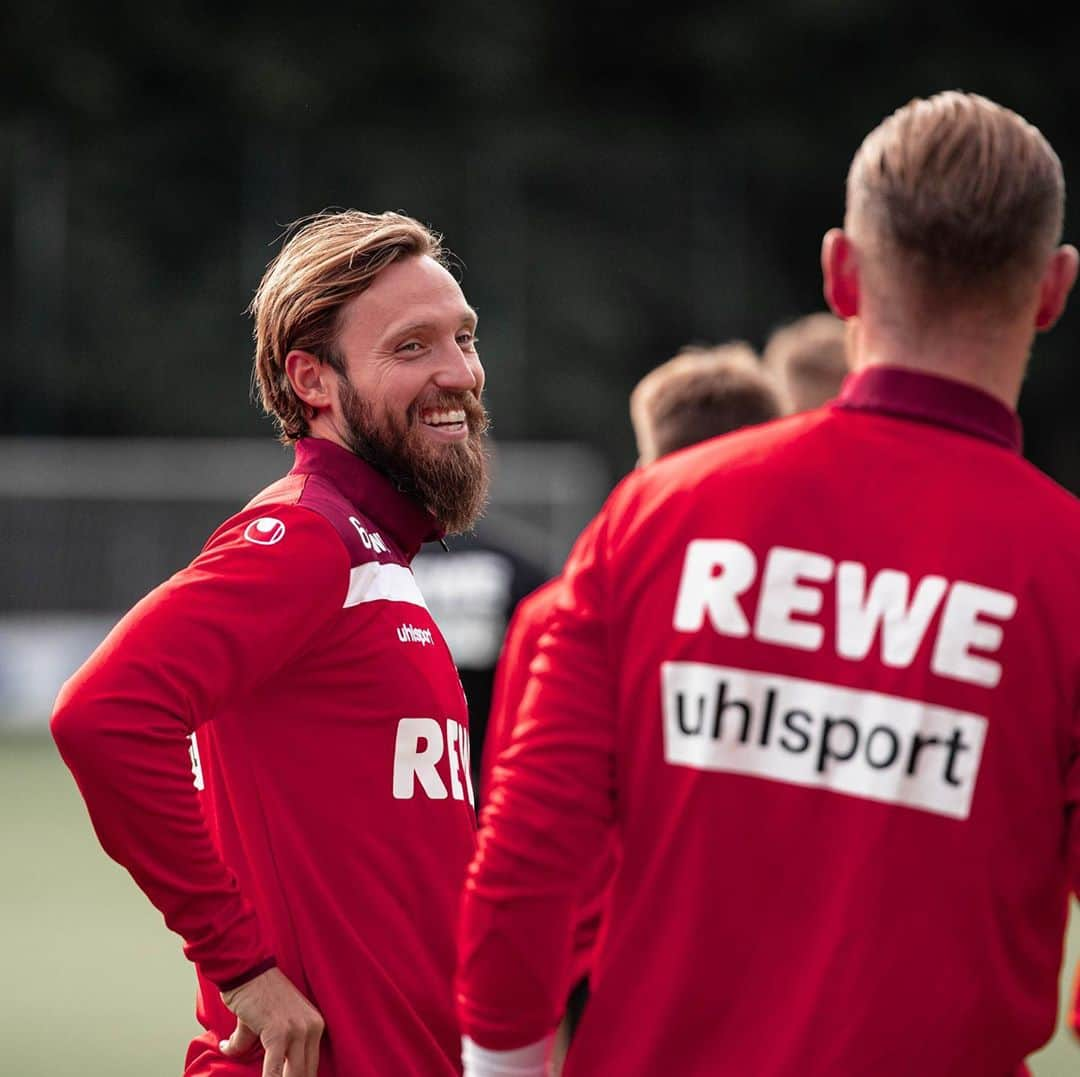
(512, 674)
(239, 612)
(547, 823)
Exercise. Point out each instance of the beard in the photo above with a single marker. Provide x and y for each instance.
(451, 481)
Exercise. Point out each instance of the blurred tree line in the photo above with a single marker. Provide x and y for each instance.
(616, 182)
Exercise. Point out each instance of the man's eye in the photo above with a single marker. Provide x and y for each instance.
(468, 340)
(410, 346)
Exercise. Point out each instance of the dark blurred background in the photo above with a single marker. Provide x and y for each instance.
(616, 183)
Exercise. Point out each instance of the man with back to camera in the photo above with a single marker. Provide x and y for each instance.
(820, 679)
(322, 886)
(701, 393)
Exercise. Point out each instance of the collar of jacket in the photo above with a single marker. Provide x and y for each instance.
(929, 398)
(373, 494)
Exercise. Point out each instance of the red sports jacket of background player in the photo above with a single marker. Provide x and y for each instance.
(519, 647)
(336, 821)
(523, 634)
(821, 676)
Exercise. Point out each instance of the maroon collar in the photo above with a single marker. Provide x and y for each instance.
(373, 494)
(929, 398)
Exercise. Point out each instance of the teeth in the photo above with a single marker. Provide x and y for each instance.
(444, 418)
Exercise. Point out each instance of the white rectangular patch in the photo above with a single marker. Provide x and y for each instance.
(376, 582)
(865, 744)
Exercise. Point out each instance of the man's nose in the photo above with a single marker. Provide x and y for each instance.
(460, 371)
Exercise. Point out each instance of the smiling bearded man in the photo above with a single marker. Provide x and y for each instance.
(315, 879)
(453, 482)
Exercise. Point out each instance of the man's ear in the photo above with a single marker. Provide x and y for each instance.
(1057, 281)
(840, 273)
(309, 377)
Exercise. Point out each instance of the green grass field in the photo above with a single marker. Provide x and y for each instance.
(93, 983)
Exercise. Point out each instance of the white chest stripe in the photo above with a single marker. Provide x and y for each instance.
(375, 582)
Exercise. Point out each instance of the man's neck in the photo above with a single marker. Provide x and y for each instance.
(324, 426)
(991, 360)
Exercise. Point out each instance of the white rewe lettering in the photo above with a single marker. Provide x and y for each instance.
(465, 752)
(452, 731)
(714, 574)
(717, 573)
(962, 629)
(864, 744)
(413, 763)
(419, 750)
(859, 614)
(783, 593)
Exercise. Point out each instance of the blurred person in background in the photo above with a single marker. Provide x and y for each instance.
(808, 357)
(472, 590)
(819, 679)
(699, 394)
(316, 877)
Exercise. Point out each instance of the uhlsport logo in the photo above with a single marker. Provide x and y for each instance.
(785, 729)
(265, 531)
(412, 634)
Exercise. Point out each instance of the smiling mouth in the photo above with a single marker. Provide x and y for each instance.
(448, 421)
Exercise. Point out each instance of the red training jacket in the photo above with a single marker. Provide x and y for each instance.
(520, 647)
(526, 626)
(336, 822)
(821, 678)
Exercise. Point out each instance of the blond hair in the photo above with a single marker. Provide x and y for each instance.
(329, 258)
(700, 393)
(966, 193)
(808, 358)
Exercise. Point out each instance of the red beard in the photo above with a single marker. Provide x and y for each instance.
(450, 481)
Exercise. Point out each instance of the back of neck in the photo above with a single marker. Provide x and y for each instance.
(993, 360)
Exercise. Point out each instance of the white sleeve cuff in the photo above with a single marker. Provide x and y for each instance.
(530, 1061)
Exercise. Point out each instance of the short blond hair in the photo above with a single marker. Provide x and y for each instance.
(329, 258)
(967, 194)
(700, 393)
(808, 358)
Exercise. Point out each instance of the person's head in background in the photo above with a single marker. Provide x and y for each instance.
(701, 393)
(808, 359)
(948, 260)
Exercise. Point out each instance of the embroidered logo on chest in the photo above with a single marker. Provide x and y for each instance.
(412, 634)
